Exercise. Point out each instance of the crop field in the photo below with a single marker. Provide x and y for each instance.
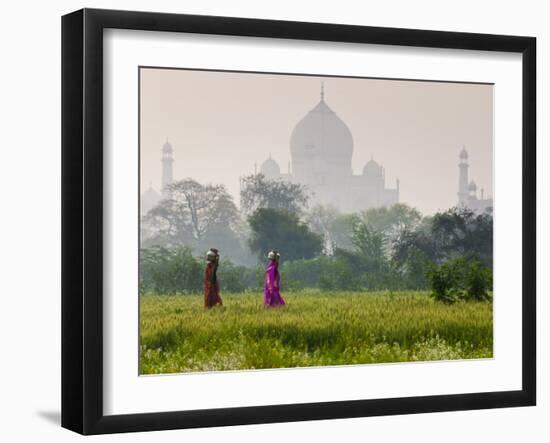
(315, 329)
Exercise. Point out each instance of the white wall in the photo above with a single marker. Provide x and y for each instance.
(30, 219)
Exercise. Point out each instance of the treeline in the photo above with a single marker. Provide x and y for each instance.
(392, 248)
(177, 271)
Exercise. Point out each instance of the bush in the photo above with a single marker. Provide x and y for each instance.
(339, 276)
(238, 278)
(460, 279)
(170, 270)
(329, 273)
(479, 281)
(305, 273)
(345, 271)
(444, 281)
(175, 270)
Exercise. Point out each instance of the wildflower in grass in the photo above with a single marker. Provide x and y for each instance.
(317, 328)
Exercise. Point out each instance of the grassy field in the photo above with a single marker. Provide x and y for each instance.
(316, 328)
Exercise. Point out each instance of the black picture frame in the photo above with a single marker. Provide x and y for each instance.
(82, 218)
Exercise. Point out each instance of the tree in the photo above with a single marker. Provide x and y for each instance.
(411, 254)
(457, 232)
(282, 230)
(393, 220)
(259, 192)
(461, 232)
(335, 228)
(342, 231)
(460, 278)
(370, 245)
(191, 213)
(321, 221)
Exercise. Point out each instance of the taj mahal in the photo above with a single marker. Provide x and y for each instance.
(321, 149)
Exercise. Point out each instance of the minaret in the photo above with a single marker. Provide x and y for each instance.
(463, 178)
(167, 167)
(397, 189)
(322, 91)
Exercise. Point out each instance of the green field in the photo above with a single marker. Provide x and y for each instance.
(316, 329)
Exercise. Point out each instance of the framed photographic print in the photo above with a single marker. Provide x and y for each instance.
(269, 221)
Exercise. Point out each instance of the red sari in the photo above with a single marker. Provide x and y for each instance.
(211, 287)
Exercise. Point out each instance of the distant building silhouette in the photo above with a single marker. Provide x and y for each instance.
(467, 191)
(167, 168)
(151, 197)
(321, 148)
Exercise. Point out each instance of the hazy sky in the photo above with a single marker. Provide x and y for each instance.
(221, 123)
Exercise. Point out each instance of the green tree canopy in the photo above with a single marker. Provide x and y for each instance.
(457, 232)
(282, 230)
(463, 232)
(336, 228)
(393, 220)
(370, 245)
(259, 192)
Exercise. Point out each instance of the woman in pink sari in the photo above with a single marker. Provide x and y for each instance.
(272, 294)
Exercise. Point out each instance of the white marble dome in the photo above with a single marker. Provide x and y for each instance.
(270, 168)
(321, 150)
(321, 133)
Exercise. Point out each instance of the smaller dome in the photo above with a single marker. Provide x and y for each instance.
(472, 186)
(463, 154)
(151, 192)
(167, 148)
(149, 199)
(372, 168)
(270, 168)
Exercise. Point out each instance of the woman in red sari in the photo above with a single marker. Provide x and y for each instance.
(211, 283)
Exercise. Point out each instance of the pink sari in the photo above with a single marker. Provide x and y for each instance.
(272, 295)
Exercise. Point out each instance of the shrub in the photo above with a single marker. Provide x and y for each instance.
(292, 285)
(460, 279)
(305, 273)
(238, 278)
(175, 270)
(479, 281)
(443, 281)
(339, 276)
(169, 270)
(329, 273)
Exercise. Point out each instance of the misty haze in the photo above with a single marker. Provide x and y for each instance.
(222, 126)
(282, 216)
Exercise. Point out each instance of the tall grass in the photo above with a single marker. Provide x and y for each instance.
(315, 329)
